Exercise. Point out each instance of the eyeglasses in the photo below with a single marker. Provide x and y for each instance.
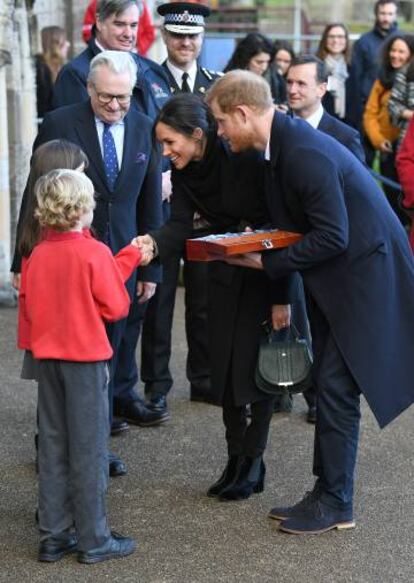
(336, 36)
(106, 98)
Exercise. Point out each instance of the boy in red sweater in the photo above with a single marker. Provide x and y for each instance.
(72, 286)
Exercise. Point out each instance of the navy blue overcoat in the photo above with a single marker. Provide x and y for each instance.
(354, 258)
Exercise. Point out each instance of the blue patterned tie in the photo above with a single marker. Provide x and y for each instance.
(110, 157)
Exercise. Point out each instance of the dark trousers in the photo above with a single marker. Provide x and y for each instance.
(338, 418)
(156, 334)
(246, 437)
(123, 336)
(388, 169)
(73, 459)
(301, 323)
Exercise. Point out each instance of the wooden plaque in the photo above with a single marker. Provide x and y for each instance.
(216, 247)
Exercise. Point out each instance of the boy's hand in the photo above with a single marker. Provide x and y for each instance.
(146, 255)
(146, 246)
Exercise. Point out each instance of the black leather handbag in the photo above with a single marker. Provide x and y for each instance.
(284, 363)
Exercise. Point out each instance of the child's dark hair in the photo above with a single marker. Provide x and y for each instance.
(186, 112)
(49, 156)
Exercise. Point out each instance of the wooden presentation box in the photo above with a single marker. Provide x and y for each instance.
(216, 247)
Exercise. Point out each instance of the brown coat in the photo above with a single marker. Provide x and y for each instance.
(377, 124)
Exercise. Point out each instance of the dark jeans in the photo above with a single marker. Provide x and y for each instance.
(387, 168)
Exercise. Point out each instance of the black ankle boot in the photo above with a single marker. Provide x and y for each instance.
(249, 480)
(226, 478)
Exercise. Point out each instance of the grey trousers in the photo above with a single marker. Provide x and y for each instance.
(73, 452)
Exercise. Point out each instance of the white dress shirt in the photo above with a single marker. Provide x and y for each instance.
(315, 119)
(117, 130)
(178, 74)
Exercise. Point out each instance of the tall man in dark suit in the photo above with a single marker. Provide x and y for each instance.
(358, 272)
(307, 81)
(116, 29)
(182, 32)
(125, 170)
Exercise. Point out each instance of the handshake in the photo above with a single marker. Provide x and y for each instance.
(147, 246)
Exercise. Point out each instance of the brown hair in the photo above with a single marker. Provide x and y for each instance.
(48, 156)
(240, 87)
(322, 51)
(52, 39)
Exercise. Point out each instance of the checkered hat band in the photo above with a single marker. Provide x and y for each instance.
(184, 18)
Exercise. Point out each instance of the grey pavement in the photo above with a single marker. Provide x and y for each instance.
(185, 537)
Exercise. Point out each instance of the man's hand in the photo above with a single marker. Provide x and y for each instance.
(146, 247)
(252, 260)
(145, 290)
(281, 316)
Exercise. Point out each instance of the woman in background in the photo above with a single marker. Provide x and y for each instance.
(401, 102)
(283, 56)
(333, 49)
(397, 52)
(255, 53)
(48, 63)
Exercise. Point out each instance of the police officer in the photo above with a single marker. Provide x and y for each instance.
(182, 32)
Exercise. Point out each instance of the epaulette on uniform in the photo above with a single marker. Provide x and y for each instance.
(211, 75)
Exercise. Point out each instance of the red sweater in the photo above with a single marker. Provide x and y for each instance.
(405, 167)
(71, 285)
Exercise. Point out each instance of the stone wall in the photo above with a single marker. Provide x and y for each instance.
(17, 127)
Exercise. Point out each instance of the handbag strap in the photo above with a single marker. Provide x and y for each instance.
(288, 333)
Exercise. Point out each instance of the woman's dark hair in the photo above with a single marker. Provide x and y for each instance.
(49, 156)
(185, 112)
(322, 51)
(387, 73)
(250, 46)
(283, 45)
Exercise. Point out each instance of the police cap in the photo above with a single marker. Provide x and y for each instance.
(183, 17)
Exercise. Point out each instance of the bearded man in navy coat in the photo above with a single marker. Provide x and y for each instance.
(358, 271)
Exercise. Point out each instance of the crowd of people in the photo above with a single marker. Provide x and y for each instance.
(131, 159)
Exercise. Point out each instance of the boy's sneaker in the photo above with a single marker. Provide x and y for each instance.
(54, 549)
(116, 547)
